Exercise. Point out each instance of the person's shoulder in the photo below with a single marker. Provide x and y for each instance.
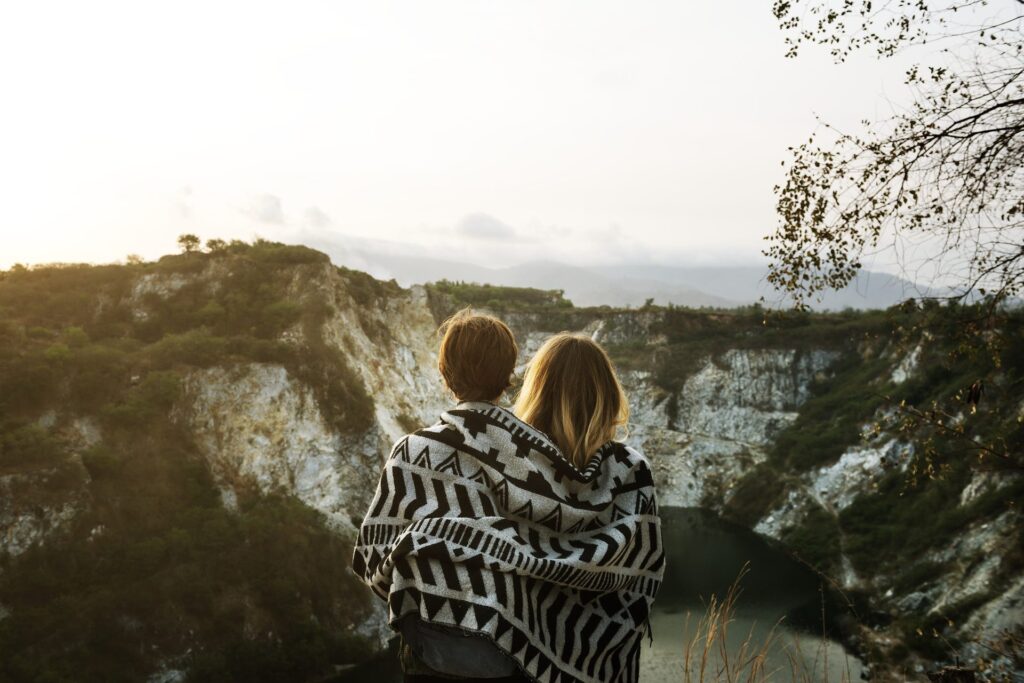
(633, 460)
(631, 454)
(435, 428)
(402, 444)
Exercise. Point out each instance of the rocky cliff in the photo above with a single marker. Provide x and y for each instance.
(302, 395)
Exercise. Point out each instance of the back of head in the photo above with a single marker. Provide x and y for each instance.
(477, 356)
(571, 393)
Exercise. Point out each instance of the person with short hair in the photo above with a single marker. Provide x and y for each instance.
(476, 359)
(477, 356)
(515, 549)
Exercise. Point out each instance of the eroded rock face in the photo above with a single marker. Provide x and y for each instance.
(726, 416)
(834, 487)
(394, 349)
(749, 395)
(39, 503)
(993, 620)
(259, 428)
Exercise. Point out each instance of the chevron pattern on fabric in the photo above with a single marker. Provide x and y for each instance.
(479, 523)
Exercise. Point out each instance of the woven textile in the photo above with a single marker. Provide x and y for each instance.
(479, 523)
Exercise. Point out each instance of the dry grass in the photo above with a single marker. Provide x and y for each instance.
(710, 658)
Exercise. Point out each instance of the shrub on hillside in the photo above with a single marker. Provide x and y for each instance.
(28, 445)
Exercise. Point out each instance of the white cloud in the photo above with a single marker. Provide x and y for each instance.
(266, 208)
(315, 217)
(182, 203)
(483, 226)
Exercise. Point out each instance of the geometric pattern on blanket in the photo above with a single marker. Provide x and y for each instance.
(480, 524)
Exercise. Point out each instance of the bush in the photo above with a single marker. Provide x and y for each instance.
(28, 444)
(150, 400)
(830, 421)
(898, 522)
(57, 353)
(448, 297)
(816, 541)
(171, 558)
(98, 375)
(755, 495)
(286, 254)
(196, 347)
(28, 384)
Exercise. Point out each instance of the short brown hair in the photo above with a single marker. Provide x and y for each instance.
(477, 356)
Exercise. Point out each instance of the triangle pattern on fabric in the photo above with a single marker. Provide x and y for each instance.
(618, 513)
(423, 459)
(411, 602)
(542, 666)
(483, 615)
(503, 628)
(402, 452)
(518, 641)
(554, 518)
(504, 640)
(501, 492)
(444, 615)
(525, 511)
(459, 610)
(433, 603)
(450, 464)
(480, 477)
(531, 654)
(575, 527)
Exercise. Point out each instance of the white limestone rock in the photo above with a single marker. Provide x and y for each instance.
(907, 366)
(37, 504)
(856, 471)
(749, 395)
(727, 414)
(984, 482)
(258, 427)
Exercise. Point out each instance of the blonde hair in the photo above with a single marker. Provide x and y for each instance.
(572, 394)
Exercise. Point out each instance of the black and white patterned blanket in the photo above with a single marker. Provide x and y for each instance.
(480, 524)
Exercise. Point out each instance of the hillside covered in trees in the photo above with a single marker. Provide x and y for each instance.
(139, 534)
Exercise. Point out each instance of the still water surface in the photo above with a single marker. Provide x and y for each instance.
(704, 557)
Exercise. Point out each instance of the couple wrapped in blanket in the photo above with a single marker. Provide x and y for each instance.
(523, 544)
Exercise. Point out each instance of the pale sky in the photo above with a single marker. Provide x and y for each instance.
(583, 131)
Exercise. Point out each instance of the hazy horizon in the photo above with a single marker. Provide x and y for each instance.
(585, 134)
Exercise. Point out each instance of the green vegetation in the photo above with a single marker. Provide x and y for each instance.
(692, 336)
(755, 494)
(70, 333)
(28, 445)
(446, 297)
(816, 541)
(155, 567)
(366, 290)
(830, 421)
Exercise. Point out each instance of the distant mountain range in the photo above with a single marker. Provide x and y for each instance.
(614, 285)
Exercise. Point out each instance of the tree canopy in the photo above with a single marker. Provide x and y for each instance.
(943, 177)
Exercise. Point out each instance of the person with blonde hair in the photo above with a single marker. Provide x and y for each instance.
(572, 394)
(518, 549)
